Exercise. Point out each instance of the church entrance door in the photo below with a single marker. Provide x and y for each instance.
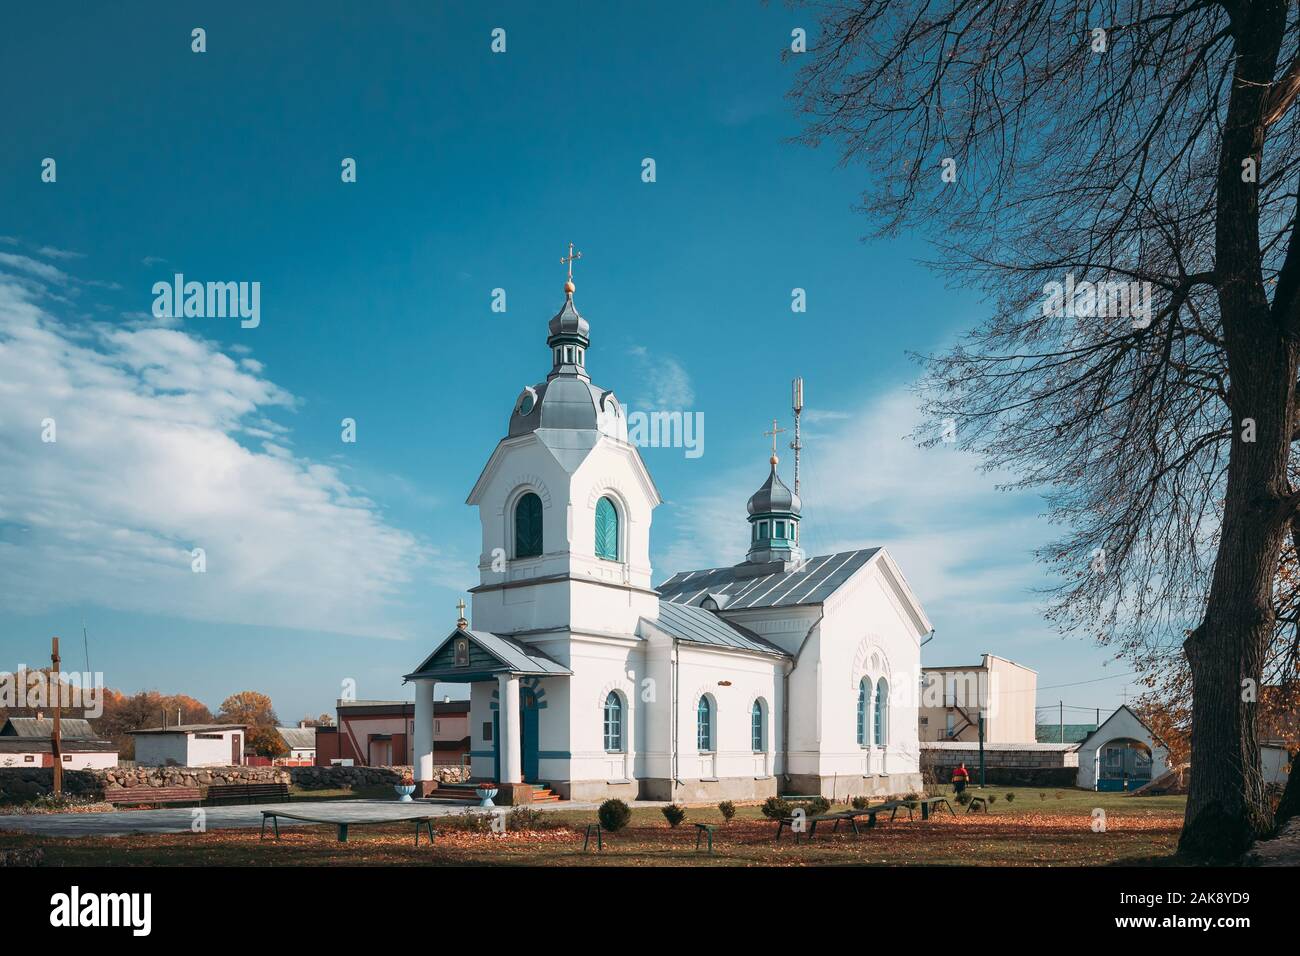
(529, 731)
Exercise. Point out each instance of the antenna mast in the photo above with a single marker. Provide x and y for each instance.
(796, 399)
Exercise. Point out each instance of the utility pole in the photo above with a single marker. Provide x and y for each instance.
(1061, 721)
(56, 747)
(796, 400)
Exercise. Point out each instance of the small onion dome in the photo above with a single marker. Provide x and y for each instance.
(568, 323)
(774, 496)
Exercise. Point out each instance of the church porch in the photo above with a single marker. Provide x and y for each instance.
(509, 683)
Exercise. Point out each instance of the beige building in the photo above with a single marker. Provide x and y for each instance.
(953, 697)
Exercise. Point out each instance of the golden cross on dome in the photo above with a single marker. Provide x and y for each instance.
(460, 607)
(773, 433)
(568, 260)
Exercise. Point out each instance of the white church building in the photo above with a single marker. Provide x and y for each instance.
(778, 674)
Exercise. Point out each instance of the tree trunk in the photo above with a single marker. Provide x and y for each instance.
(1226, 806)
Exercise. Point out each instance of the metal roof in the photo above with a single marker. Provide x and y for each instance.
(517, 657)
(695, 625)
(43, 745)
(298, 738)
(189, 729)
(811, 583)
(69, 727)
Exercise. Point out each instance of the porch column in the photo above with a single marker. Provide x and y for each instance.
(512, 770)
(423, 745)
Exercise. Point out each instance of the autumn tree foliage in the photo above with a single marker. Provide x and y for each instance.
(248, 707)
(1152, 144)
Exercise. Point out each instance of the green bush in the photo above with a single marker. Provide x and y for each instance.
(530, 818)
(963, 798)
(614, 815)
(861, 803)
(992, 799)
(817, 806)
(727, 809)
(674, 814)
(774, 808)
(469, 820)
(1011, 797)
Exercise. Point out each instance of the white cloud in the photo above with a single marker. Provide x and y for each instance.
(50, 252)
(665, 385)
(148, 465)
(41, 270)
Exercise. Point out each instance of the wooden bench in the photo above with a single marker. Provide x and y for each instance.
(248, 792)
(593, 828)
(141, 796)
(342, 825)
(700, 830)
(930, 805)
(975, 804)
(840, 816)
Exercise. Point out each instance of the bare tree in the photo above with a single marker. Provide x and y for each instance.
(1097, 144)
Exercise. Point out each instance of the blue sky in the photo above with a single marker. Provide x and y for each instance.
(331, 561)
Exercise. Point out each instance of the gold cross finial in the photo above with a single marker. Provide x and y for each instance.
(460, 620)
(773, 433)
(568, 260)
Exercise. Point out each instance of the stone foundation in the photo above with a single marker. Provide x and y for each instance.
(709, 791)
(595, 791)
(845, 787)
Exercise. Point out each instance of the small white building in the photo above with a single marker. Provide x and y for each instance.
(190, 745)
(1122, 754)
(301, 742)
(28, 742)
(1275, 762)
(77, 754)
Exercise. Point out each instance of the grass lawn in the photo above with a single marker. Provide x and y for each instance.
(1040, 828)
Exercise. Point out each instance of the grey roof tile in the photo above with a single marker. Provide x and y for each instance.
(812, 583)
(698, 626)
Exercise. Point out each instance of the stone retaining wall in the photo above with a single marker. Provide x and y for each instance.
(350, 778)
(1005, 766)
(21, 784)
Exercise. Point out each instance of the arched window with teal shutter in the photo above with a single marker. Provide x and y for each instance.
(758, 739)
(606, 530)
(528, 526)
(704, 726)
(613, 723)
(882, 695)
(862, 712)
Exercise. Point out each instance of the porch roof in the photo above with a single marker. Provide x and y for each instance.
(497, 654)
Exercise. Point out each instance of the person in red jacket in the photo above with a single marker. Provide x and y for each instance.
(960, 777)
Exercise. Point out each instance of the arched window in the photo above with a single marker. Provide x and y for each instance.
(882, 694)
(528, 526)
(614, 723)
(862, 712)
(758, 739)
(704, 725)
(606, 530)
